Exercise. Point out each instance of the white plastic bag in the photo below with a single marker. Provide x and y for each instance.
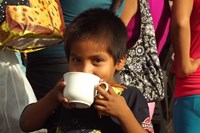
(15, 92)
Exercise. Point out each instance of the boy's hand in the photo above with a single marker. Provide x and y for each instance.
(60, 87)
(110, 103)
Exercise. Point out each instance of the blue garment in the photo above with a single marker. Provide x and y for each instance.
(20, 62)
(71, 9)
(186, 114)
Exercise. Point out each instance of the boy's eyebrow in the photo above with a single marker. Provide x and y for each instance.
(96, 55)
(72, 54)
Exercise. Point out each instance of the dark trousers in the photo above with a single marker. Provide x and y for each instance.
(44, 73)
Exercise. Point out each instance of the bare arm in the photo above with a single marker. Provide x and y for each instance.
(35, 115)
(129, 122)
(181, 37)
(130, 9)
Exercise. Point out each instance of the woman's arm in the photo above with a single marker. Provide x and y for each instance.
(35, 115)
(130, 9)
(181, 37)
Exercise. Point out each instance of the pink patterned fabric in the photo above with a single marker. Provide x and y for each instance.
(151, 106)
(161, 13)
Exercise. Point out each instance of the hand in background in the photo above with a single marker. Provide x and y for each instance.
(192, 66)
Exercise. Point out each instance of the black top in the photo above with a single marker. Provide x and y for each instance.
(87, 120)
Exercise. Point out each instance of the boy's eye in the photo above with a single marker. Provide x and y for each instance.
(98, 60)
(75, 59)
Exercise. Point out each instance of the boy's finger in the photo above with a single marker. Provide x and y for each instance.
(111, 91)
(101, 92)
(60, 85)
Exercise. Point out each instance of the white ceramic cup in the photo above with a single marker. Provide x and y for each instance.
(80, 88)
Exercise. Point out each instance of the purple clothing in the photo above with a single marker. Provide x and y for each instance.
(161, 13)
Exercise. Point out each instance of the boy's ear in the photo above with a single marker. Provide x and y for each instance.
(120, 63)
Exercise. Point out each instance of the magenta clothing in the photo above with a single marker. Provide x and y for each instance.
(191, 84)
(161, 13)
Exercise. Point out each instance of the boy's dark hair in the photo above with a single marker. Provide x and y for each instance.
(100, 26)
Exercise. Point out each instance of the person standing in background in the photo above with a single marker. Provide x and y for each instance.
(161, 13)
(185, 35)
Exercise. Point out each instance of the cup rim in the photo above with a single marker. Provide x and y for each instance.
(82, 73)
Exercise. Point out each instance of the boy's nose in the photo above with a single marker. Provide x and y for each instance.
(87, 68)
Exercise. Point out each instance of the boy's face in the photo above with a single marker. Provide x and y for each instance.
(86, 56)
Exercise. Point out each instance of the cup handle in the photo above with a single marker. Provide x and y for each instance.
(106, 87)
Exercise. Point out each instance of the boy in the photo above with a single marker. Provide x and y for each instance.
(94, 43)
